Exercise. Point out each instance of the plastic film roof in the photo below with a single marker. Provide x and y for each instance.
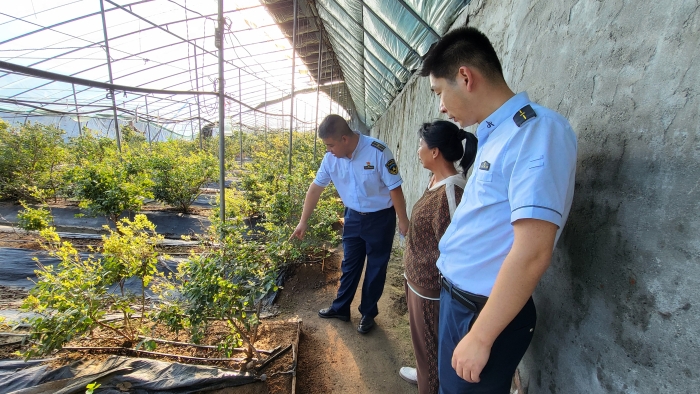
(380, 43)
(358, 53)
(156, 46)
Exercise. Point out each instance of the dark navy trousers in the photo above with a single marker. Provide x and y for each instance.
(365, 236)
(506, 352)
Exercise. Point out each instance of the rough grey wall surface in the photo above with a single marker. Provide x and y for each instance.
(618, 309)
(399, 129)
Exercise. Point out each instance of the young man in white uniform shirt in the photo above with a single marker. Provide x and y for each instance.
(367, 178)
(502, 235)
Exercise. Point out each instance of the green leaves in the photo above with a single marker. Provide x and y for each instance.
(228, 284)
(130, 250)
(68, 297)
(225, 285)
(33, 218)
(267, 190)
(110, 187)
(178, 172)
(90, 388)
(72, 297)
(31, 155)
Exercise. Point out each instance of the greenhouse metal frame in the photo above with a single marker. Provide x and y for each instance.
(176, 66)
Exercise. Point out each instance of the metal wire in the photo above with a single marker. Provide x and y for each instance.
(168, 106)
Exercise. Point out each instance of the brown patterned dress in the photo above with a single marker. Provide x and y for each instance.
(429, 219)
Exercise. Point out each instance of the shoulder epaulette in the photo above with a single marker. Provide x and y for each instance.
(378, 146)
(523, 115)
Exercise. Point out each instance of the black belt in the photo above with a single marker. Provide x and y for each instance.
(370, 213)
(472, 301)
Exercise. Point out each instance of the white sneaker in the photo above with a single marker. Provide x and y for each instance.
(409, 374)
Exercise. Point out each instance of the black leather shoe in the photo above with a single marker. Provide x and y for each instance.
(366, 325)
(329, 313)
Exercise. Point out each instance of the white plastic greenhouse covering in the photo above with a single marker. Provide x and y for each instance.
(162, 56)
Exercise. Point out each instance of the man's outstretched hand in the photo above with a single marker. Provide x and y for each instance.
(299, 231)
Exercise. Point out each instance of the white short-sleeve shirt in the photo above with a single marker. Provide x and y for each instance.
(524, 168)
(363, 181)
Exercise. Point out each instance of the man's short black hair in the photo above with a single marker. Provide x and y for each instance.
(464, 46)
(333, 126)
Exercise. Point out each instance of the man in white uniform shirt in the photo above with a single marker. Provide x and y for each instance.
(367, 178)
(502, 235)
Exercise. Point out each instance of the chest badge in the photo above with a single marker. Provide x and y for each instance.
(392, 167)
(485, 165)
(369, 166)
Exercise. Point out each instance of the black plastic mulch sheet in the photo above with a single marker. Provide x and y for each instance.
(136, 375)
(169, 224)
(17, 266)
(17, 269)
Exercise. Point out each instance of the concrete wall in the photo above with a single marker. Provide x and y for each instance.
(618, 309)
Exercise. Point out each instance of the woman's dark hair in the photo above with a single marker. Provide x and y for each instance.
(447, 137)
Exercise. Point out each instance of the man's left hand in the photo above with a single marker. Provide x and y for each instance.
(470, 357)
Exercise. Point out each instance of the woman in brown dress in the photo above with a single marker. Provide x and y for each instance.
(440, 147)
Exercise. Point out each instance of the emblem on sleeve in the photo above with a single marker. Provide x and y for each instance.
(485, 166)
(392, 167)
(378, 146)
(369, 166)
(524, 114)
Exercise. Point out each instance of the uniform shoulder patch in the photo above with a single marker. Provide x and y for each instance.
(524, 114)
(378, 146)
(392, 167)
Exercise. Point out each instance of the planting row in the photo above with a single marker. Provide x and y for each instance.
(226, 283)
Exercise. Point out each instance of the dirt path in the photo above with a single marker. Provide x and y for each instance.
(333, 356)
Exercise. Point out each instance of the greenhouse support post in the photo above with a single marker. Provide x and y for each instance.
(291, 101)
(199, 111)
(191, 124)
(75, 100)
(111, 81)
(318, 87)
(240, 115)
(222, 141)
(148, 121)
